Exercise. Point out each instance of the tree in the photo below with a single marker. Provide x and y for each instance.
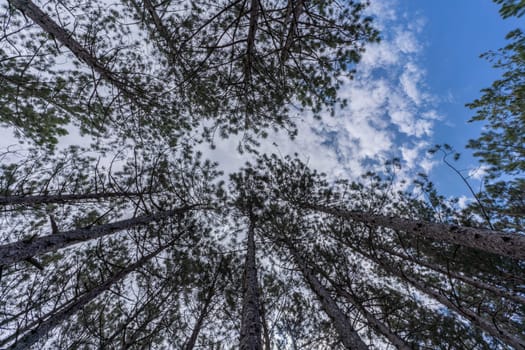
(500, 145)
(136, 242)
(257, 56)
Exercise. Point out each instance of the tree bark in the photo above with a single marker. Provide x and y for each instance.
(496, 242)
(250, 45)
(29, 9)
(14, 252)
(465, 279)
(61, 198)
(161, 29)
(372, 321)
(251, 318)
(266, 333)
(294, 21)
(485, 325)
(341, 322)
(190, 344)
(46, 326)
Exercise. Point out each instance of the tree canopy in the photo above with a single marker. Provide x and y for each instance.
(138, 241)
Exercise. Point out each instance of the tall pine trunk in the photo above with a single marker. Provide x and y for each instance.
(29, 9)
(510, 295)
(251, 318)
(341, 322)
(14, 252)
(371, 320)
(62, 198)
(204, 311)
(54, 320)
(496, 242)
(487, 326)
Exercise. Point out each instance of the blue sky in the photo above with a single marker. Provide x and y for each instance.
(454, 35)
(408, 95)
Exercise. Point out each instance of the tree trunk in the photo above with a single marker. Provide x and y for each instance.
(251, 318)
(29, 9)
(465, 279)
(61, 198)
(162, 30)
(294, 21)
(43, 328)
(250, 41)
(190, 344)
(342, 324)
(496, 242)
(266, 333)
(485, 325)
(372, 321)
(14, 252)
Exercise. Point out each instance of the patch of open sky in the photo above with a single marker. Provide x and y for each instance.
(454, 35)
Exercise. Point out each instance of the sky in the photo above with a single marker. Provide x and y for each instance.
(454, 35)
(409, 94)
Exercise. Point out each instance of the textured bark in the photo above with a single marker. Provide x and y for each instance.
(266, 333)
(293, 22)
(61, 198)
(341, 322)
(371, 320)
(190, 344)
(46, 326)
(250, 47)
(496, 242)
(477, 320)
(29, 9)
(510, 295)
(161, 29)
(251, 318)
(14, 252)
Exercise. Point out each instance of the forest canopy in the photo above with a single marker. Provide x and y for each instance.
(136, 240)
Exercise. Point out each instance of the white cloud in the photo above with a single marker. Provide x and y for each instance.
(389, 114)
(478, 173)
(463, 201)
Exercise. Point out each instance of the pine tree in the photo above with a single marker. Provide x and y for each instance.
(136, 242)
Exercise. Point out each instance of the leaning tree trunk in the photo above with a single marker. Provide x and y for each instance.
(371, 320)
(510, 295)
(292, 20)
(153, 300)
(341, 322)
(46, 326)
(29, 9)
(190, 344)
(496, 242)
(489, 327)
(62, 198)
(14, 252)
(251, 318)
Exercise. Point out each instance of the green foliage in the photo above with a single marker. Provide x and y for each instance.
(502, 106)
(511, 8)
(158, 73)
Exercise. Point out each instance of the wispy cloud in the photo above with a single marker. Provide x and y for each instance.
(390, 112)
